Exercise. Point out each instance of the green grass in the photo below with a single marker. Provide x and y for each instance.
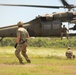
(45, 61)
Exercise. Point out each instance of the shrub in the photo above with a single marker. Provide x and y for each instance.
(43, 42)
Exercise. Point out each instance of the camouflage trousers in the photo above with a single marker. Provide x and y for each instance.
(21, 48)
(70, 55)
(64, 34)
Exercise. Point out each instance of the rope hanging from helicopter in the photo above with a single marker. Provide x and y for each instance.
(68, 36)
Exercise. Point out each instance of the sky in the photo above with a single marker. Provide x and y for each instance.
(11, 15)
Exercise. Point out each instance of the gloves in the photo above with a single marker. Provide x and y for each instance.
(16, 45)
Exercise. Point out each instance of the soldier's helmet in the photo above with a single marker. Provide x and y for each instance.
(68, 48)
(20, 24)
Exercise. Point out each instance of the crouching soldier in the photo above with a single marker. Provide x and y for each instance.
(69, 54)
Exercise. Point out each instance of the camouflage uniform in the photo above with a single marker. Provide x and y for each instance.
(21, 47)
(64, 32)
(69, 54)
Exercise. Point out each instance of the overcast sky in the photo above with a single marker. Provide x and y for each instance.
(11, 15)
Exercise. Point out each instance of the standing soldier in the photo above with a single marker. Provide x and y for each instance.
(21, 43)
(64, 32)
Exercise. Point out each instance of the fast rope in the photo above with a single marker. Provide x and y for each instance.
(68, 45)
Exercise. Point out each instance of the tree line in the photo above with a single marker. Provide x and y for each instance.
(43, 42)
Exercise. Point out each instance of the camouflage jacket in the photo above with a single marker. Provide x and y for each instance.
(22, 32)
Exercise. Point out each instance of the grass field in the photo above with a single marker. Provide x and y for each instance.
(45, 61)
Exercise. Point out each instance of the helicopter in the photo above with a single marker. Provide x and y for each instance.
(43, 26)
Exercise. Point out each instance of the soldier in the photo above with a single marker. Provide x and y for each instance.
(69, 54)
(64, 32)
(21, 43)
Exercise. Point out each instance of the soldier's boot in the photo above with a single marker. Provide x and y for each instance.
(19, 57)
(29, 61)
(73, 56)
(26, 57)
(21, 62)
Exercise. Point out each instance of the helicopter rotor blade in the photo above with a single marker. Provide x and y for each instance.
(39, 6)
(65, 3)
